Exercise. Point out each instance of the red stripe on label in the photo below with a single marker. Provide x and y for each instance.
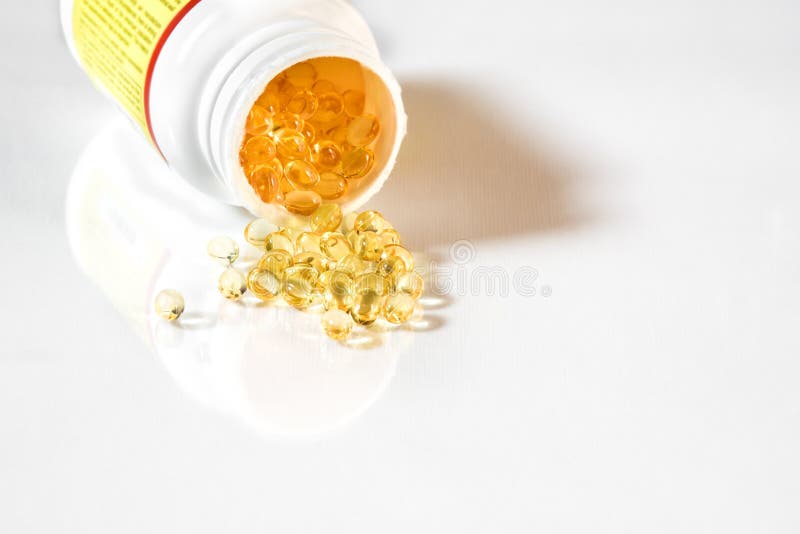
(150, 67)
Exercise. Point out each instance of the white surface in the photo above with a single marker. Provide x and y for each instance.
(643, 157)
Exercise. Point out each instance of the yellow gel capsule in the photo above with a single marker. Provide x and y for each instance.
(351, 265)
(279, 241)
(337, 324)
(302, 202)
(232, 284)
(409, 283)
(390, 237)
(299, 283)
(314, 259)
(354, 101)
(269, 102)
(340, 291)
(326, 218)
(303, 104)
(391, 267)
(402, 253)
(308, 242)
(275, 261)
(366, 307)
(326, 155)
(257, 150)
(352, 238)
(370, 267)
(335, 245)
(371, 221)
(397, 308)
(363, 130)
(301, 175)
(287, 121)
(330, 108)
(223, 249)
(357, 163)
(169, 304)
(331, 186)
(257, 230)
(323, 86)
(259, 121)
(291, 144)
(371, 282)
(309, 132)
(368, 245)
(348, 220)
(264, 284)
(301, 75)
(265, 180)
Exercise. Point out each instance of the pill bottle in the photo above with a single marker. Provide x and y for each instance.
(188, 74)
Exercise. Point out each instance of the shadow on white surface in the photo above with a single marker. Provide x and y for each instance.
(135, 228)
(472, 174)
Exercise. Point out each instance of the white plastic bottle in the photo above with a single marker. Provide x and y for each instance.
(187, 72)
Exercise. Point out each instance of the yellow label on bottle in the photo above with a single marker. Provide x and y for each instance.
(118, 42)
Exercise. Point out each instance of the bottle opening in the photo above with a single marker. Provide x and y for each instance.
(323, 130)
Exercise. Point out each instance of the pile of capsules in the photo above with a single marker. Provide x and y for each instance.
(305, 141)
(354, 266)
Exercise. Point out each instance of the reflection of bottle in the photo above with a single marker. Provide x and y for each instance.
(134, 229)
(187, 72)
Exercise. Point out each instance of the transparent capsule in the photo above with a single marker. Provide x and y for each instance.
(390, 237)
(337, 132)
(368, 245)
(351, 265)
(371, 221)
(303, 103)
(337, 324)
(391, 267)
(348, 220)
(169, 304)
(339, 292)
(269, 102)
(264, 284)
(323, 86)
(223, 249)
(257, 230)
(366, 307)
(301, 175)
(258, 150)
(265, 180)
(354, 101)
(371, 282)
(259, 121)
(357, 163)
(301, 75)
(279, 241)
(352, 238)
(363, 130)
(397, 308)
(408, 283)
(308, 242)
(370, 267)
(232, 284)
(287, 121)
(309, 132)
(326, 155)
(291, 144)
(331, 186)
(275, 261)
(313, 259)
(330, 108)
(335, 245)
(326, 218)
(299, 283)
(302, 202)
(401, 252)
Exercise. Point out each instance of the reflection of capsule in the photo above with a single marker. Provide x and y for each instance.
(135, 230)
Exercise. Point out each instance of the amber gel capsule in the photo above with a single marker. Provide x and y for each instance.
(335, 245)
(263, 284)
(326, 218)
(169, 304)
(302, 202)
(340, 291)
(275, 261)
(279, 241)
(301, 174)
(366, 307)
(398, 308)
(337, 324)
(299, 283)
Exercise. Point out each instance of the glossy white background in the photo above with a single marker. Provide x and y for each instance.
(642, 157)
